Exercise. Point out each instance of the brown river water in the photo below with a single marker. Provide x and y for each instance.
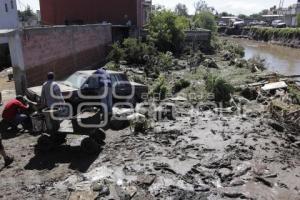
(283, 60)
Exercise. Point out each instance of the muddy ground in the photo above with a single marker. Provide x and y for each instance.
(202, 154)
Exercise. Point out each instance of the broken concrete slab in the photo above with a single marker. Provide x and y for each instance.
(274, 86)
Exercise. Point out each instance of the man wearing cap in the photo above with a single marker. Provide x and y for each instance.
(51, 93)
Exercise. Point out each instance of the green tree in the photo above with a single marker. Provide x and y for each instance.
(225, 14)
(116, 54)
(181, 10)
(205, 20)
(298, 20)
(264, 12)
(135, 51)
(219, 87)
(242, 16)
(166, 31)
(200, 6)
(26, 14)
(256, 16)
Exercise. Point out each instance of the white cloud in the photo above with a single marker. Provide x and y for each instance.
(232, 6)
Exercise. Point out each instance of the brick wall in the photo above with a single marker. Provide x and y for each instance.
(63, 50)
(60, 12)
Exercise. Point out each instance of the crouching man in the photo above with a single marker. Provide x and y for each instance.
(14, 114)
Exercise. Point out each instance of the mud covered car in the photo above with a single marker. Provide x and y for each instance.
(84, 86)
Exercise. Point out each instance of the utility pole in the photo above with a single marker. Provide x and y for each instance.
(281, 4)
(280, 8)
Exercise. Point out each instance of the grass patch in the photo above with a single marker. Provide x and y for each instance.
(267, 34)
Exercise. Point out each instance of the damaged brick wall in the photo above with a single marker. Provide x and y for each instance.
(63, 50)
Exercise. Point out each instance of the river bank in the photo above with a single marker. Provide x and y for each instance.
(289, 37)
(279, 59)
(285, 36)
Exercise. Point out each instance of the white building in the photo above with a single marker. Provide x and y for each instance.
(290, 14)
(8, 16)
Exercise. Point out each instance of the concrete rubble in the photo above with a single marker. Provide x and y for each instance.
(204, 155)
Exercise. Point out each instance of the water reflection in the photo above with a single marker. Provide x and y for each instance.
(280, 59)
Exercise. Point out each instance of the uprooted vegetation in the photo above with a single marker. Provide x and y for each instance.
(255, 63)
(181, 84)
(221, 89)
(230, 49)
(160, 88)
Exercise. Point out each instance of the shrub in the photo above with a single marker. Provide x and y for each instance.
(116, 54)
(205, 20)
(112, 66)
(220, 88)
(166, 30)
(132, 50)
(210, 81)
(165, 61)
(249, 93)
(241, 63)
(257, 62)
(135, 51)
(233, 48)
(160, 87)
(181, 84)
(267, 34)
(222, 91)
(138, 79)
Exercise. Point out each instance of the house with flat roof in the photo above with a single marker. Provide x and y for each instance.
(8, 16)
(290, 14)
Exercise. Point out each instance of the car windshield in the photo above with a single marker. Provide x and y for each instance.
(76, 80)
(118, 78)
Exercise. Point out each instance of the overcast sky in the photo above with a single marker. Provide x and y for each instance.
(232, 6)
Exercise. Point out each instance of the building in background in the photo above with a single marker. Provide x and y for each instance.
(8, 21)
(290, 14)
(117, 12)
(8, 17)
